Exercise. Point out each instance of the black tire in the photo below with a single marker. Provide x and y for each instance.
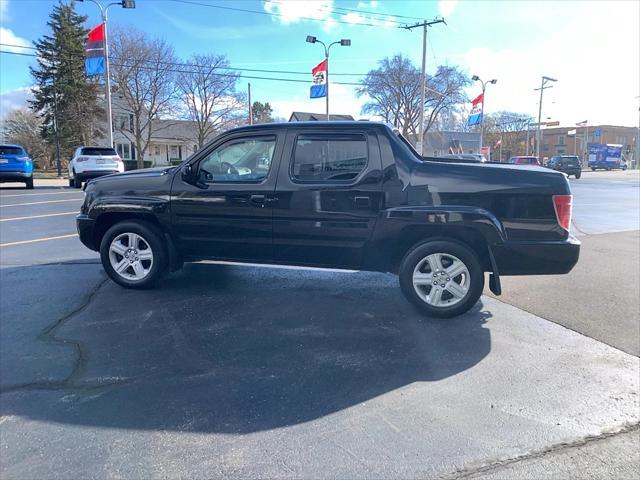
(418, 253)
(593, 169)
(152, 237)
(70, 182)
(578, 175)
(28, 184)
(624, 168)
(77, 183)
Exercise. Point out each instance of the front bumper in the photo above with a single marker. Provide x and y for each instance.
(89, 174)
(85, 226)
(15, 176)
(537, 258)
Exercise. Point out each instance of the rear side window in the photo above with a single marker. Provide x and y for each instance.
(98, 151)
(329, 158)
(8, 150)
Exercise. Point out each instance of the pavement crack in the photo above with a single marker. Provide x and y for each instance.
(558, 447)
(48, 335)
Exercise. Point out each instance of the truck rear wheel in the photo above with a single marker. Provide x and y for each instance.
(133, 254)
(441, 278)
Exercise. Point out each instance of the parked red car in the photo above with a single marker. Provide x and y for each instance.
(525, 161)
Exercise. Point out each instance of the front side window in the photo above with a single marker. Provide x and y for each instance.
(239, 160)
(329, 158)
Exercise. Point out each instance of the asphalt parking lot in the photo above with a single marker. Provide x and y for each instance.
(241, 371)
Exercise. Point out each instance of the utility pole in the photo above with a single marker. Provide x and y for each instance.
(107, 77)
(55, 126)
(542, 88)
(250, 104)
(423, 84)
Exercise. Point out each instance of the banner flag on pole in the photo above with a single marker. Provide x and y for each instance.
(319, 87)
(94, 52)
(476, 110)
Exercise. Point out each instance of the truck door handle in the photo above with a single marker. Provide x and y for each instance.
(362, 202)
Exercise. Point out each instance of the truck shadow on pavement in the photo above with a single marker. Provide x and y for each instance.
(237, 349)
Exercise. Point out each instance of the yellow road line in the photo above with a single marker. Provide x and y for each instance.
(38, 216)
(22, 242)
(40, 203)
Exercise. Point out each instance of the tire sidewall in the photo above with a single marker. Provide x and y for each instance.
(152, 236)
(466, 255)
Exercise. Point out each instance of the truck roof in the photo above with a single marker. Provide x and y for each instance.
(341, 124)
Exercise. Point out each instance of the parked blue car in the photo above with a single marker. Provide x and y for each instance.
(15, 165)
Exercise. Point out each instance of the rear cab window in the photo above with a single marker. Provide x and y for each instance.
(328, 158)
(95, 151)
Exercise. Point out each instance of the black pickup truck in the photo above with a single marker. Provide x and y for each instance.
(352, 195)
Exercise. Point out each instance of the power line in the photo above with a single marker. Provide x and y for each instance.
(390, 17)
(257, 70)
(273, 14)
(124, 65)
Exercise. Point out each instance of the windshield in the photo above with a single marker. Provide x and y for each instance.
(9, 150)
(98, 151)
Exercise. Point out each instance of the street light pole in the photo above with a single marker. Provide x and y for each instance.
(345, 42)
(107, 79)
(543, 86)
(476, 78)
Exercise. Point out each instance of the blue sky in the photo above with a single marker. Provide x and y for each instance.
(593, 48)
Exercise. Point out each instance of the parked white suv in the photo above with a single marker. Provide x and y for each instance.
(92, 162)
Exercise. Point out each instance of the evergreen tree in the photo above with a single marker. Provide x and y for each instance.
(262, 112)
(61, 85)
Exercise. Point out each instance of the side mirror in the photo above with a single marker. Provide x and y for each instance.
(189, 175)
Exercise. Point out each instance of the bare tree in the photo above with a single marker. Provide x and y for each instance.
(23, 126)
(143, 71)
(394, 93)
(510, 128)
(208, 90)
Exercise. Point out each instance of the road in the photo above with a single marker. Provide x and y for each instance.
(267, 372)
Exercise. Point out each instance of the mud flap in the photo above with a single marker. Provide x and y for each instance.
(494, 277)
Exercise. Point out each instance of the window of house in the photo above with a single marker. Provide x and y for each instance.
(124, 150)
(123, 122)
(621, 139)
(174, 152)
(561, 140)
(245, 159)
(329, 158)
(545, 147)
(157, 150)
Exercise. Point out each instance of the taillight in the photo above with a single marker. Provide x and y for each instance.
(82, 159)
(563, 205)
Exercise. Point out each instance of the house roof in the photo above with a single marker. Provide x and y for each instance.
(315, 117)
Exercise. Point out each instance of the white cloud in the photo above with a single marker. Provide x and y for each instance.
(7, 37)
(373, 4)
(4, 10)
(293, 11)
(353, 17)
(598, 75)
(13, 99)
(447, 7)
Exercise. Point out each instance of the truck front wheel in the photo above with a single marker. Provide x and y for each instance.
(441, 278)
(133, 254)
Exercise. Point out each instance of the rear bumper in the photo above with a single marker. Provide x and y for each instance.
(15, 176)
(89, 174)
(85, 226)
(537, 258)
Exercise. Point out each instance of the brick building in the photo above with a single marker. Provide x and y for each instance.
(557, 141)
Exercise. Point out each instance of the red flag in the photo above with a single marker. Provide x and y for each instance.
(478, 99)
(97, 34)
